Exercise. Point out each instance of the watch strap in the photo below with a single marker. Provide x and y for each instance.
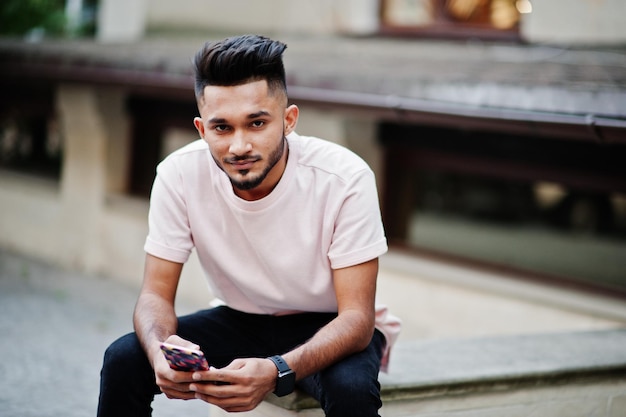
(280, 363)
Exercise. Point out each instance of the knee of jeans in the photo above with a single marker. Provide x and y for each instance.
(357, 385)
(352, 400)
(123, 354)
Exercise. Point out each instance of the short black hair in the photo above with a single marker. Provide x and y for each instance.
(239, 60)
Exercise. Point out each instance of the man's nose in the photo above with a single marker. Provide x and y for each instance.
(239, 145)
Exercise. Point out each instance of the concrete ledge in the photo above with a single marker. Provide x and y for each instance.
(552, 369)
(424, 368)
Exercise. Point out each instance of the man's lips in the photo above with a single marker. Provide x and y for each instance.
(241, 164)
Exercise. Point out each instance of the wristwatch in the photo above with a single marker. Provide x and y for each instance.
(286, 380)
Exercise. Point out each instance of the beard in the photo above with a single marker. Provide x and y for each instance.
(249, 183)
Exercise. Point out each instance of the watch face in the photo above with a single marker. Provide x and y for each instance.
(286, 383)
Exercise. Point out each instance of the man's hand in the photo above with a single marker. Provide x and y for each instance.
(240, 386)
(174, 384)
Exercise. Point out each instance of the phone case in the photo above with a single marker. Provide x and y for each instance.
(184, 359)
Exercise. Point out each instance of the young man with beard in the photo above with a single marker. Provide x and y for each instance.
(288, 231)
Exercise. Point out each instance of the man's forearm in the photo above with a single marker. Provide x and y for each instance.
(154, 320)
(348, 333)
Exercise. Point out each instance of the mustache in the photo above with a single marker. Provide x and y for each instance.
(242, 158)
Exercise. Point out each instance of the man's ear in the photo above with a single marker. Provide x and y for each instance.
(197, 122)
(291, 118)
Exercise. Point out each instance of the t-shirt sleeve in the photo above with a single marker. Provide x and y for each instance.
(359, 235)
(169, 235)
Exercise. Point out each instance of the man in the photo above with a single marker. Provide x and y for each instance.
(288, 231)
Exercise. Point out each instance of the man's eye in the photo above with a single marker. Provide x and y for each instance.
(220, 128)
(258, 123)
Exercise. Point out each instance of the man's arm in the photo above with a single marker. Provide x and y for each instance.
(353, 328)
(249, 380)
(155, 322)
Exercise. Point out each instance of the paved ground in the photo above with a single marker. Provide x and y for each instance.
(55, 325)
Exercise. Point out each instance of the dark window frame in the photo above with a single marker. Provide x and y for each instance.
(31, 106)
(150, 118)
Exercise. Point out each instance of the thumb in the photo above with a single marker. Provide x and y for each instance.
(177, 340)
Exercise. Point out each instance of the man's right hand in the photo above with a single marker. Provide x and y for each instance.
(174, 384)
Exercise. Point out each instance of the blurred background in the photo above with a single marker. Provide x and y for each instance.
(496, 128)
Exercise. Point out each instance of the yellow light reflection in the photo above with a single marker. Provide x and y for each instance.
(524, 6)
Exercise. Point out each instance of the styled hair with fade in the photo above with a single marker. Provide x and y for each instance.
(239, 60)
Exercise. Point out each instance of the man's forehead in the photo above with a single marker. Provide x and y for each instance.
(250, 99)
(259, 85)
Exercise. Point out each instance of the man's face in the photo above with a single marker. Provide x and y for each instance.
(245, 127)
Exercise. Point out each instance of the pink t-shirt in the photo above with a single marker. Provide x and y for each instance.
(274, 255)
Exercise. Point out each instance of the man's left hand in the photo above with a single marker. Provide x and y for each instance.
(240, 386)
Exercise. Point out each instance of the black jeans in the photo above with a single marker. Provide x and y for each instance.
(347, 388)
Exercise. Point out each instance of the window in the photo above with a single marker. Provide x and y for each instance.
(30, 137)
(454, 18)
(156, 130)
(539, 206)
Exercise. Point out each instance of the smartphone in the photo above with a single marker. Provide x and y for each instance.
(184, 359)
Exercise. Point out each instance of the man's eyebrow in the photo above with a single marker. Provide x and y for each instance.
(260, 113)
(256, 115)
(217, 121)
